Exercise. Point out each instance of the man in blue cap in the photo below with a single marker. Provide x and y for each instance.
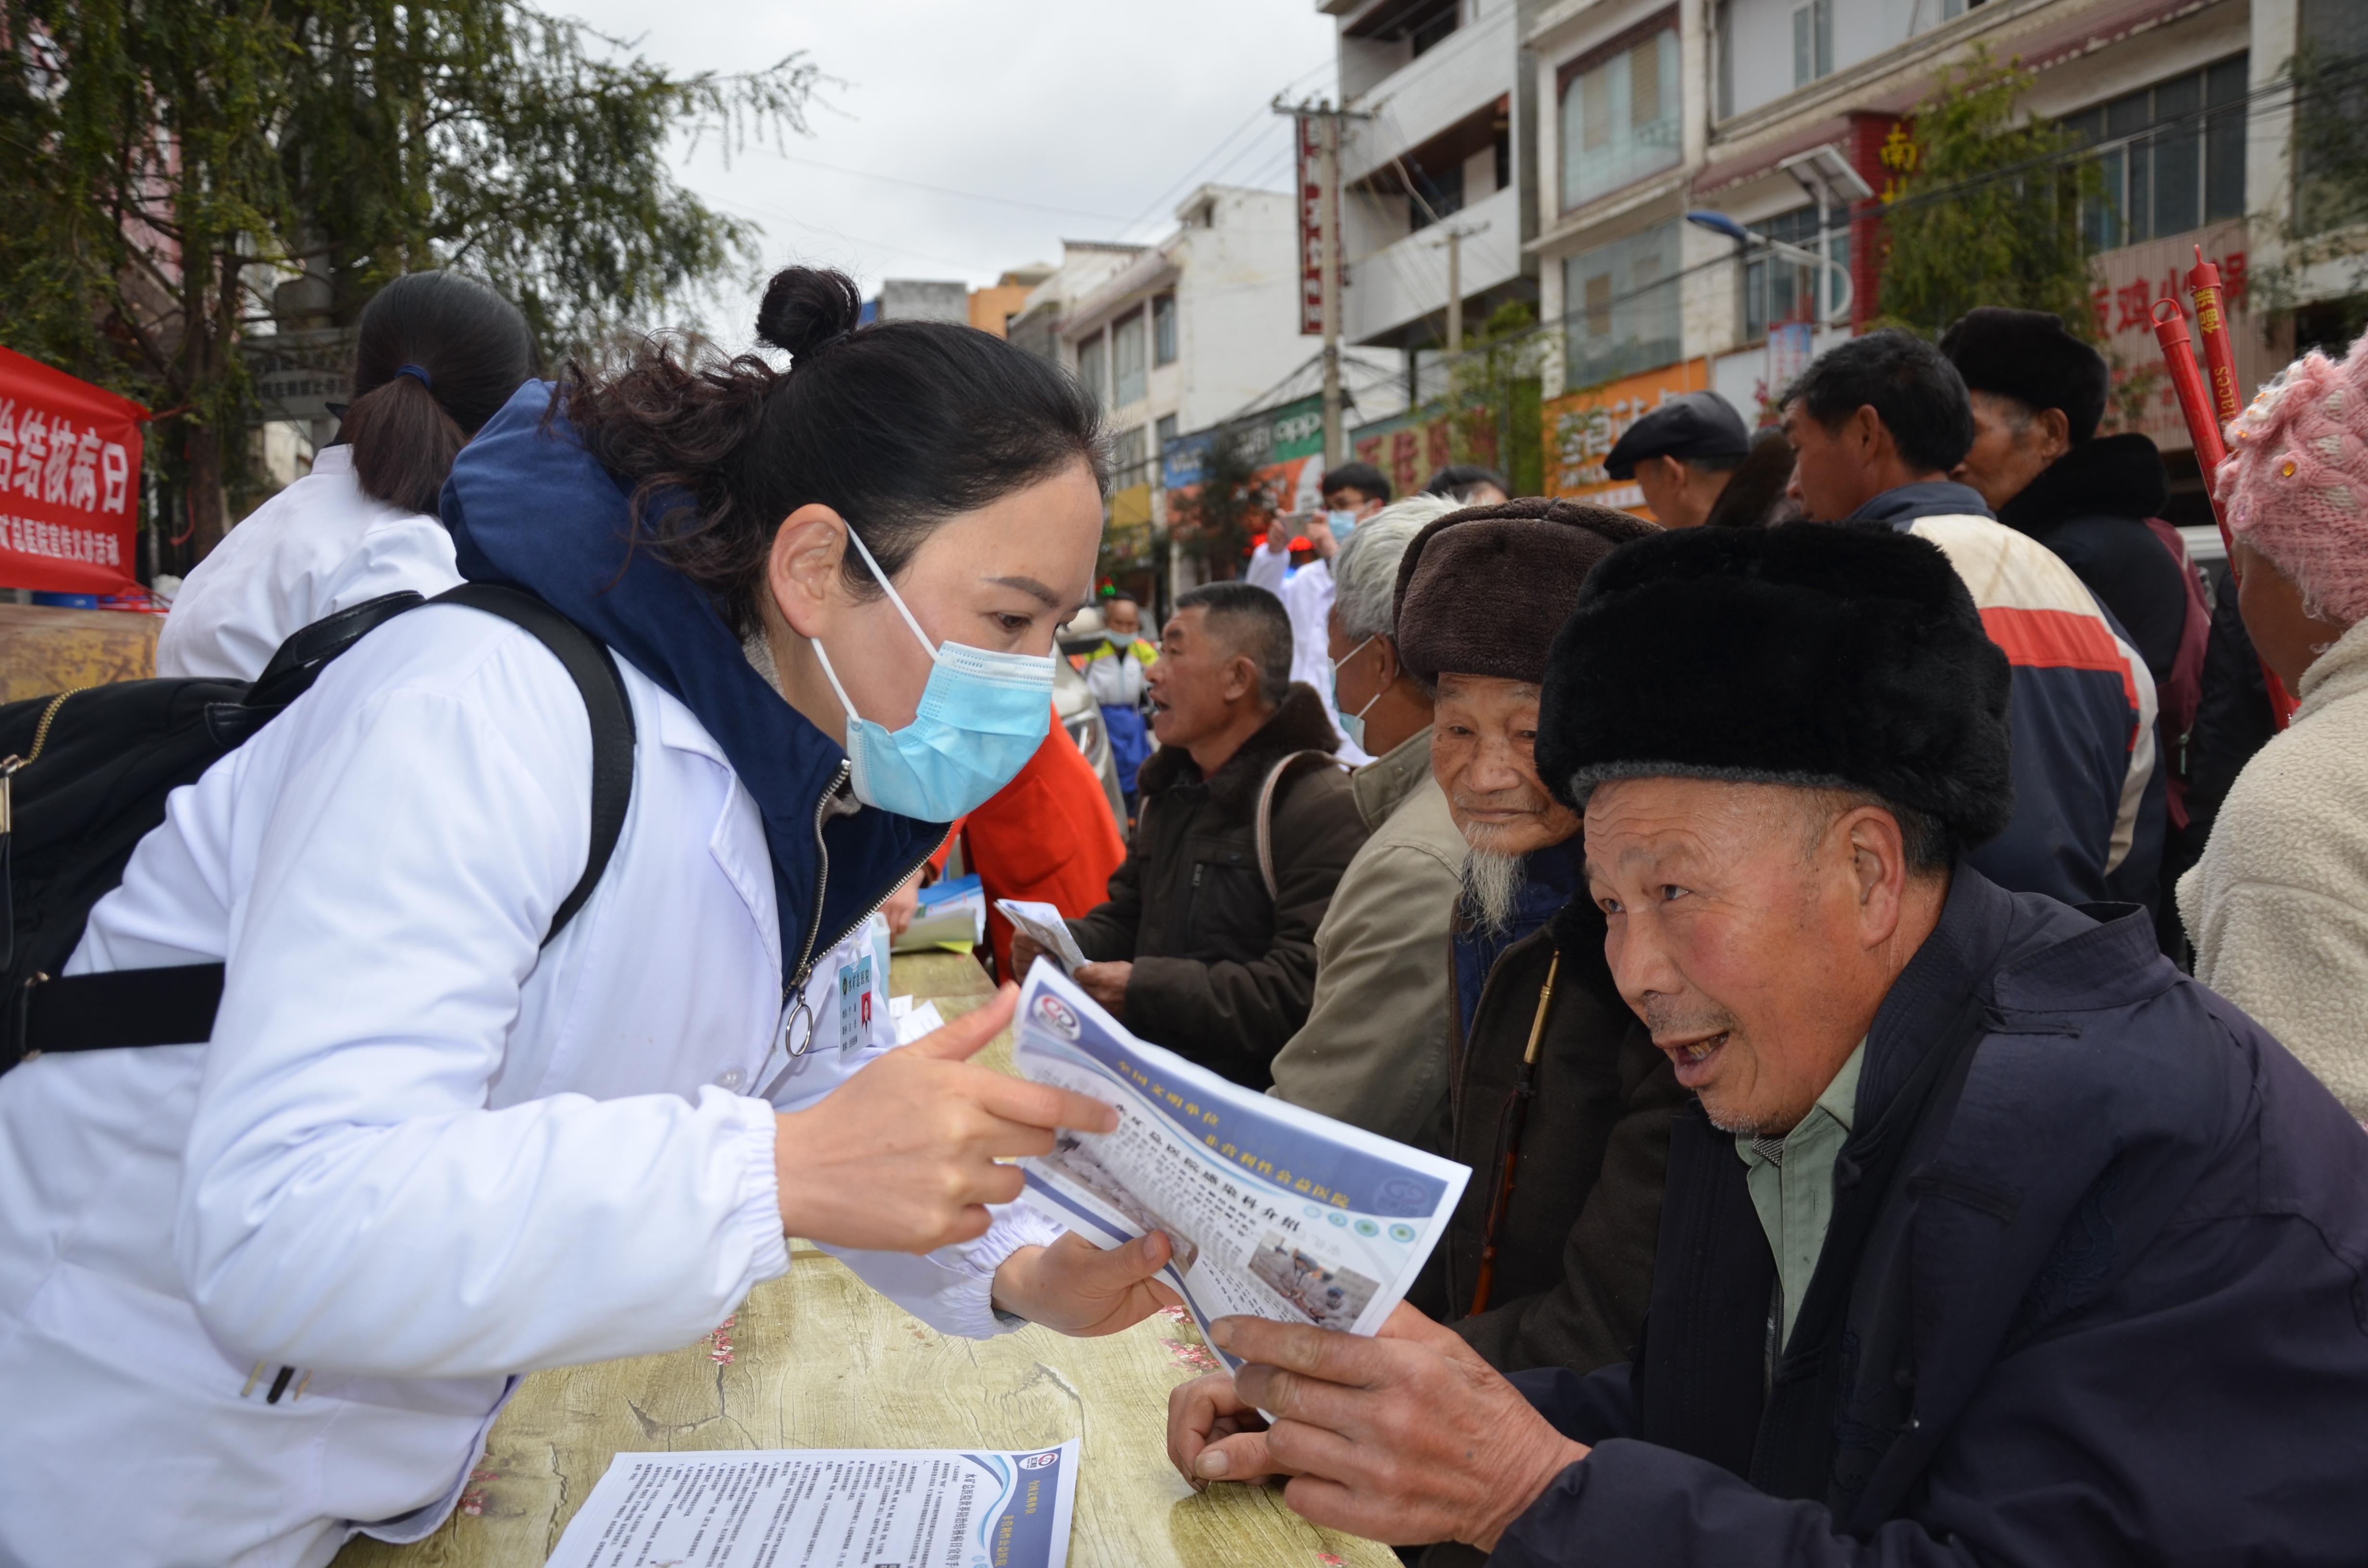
(1681, 456)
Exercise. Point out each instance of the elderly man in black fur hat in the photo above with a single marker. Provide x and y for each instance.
(1992, 1239)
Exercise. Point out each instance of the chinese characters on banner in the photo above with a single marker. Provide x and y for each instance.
(1582, 427)
(2128, 282)
(69, 481)
(1311, 225)
(1411, 448)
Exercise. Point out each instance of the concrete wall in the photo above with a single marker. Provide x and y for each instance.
(907, 298)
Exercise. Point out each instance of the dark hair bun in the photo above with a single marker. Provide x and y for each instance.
(805, 307)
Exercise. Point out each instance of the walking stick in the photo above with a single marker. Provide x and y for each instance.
(2206, 414)
(1516, 1115)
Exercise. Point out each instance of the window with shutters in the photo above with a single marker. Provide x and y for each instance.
(1621, 304)
(1129, 364)
(1813, 42)
(1621, 118)
(1163, 330)
(1093, 368)
(2170, 157)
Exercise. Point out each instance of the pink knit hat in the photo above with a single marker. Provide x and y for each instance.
(2296, 483)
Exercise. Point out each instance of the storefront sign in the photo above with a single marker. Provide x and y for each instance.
(2128, 283)
(1281, 439)
(69, 481)
(1310, 185)
(299, 374)
(1582, 427)
(1411, 447)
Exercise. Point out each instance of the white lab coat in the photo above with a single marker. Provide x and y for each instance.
(422, 1154)
(1307, 597)
(318, 547)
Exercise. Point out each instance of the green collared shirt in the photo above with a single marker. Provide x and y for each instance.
(1792, 1182)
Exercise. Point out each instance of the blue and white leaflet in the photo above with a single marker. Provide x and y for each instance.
(1276, 1211)
(829, 1508)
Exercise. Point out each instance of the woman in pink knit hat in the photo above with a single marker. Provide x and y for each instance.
(2278, 906)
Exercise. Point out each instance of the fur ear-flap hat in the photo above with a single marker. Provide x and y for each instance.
(1825, 655)
(1482, 591)
(2033, 358)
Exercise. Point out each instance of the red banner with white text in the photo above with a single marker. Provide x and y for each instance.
(69, 481)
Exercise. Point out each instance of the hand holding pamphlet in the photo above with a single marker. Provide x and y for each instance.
(1041, 923)
(1276, 1212)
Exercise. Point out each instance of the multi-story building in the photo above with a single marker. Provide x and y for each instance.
(1755, 108)
(1439, 145)
(1191, 330)
(1175, 336)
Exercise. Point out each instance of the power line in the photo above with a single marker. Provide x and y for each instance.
(1185, 180)
(942, 190)
(841, 235)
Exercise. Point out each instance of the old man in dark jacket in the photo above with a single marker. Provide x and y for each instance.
(1992, 1240)
(1556, 1099)
(1207, 943)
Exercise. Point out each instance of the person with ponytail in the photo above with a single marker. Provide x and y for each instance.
(435, 357)
(287, 1277)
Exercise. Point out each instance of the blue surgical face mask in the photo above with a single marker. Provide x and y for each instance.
(981, 718)
(1119, 639)
(1354, 724)
(1343, 523)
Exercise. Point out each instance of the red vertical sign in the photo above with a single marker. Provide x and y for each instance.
(1311, 225)
(69, 481)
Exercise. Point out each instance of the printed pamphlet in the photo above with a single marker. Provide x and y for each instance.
(1276, 1211)
(829, 1508)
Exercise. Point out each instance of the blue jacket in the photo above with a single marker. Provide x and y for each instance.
(2095, 1291)
(2089, 791)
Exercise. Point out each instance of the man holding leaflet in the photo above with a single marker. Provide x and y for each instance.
(1993, 1238)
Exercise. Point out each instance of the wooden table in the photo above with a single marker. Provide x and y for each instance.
(44, 649)
(816, 1360)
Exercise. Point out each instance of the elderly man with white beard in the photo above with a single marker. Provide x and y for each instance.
(1558, 1101)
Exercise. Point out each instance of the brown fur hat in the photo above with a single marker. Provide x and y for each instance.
(1482, 591)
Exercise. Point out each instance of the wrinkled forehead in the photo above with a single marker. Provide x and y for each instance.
(1665, 823)
(1486, 697)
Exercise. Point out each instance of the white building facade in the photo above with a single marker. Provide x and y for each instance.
(1440, 142)
(1650, 109)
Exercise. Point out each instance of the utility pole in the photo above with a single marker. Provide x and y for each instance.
(1328, 243)
(1456, 234)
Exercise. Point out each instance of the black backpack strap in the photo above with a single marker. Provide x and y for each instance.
(176, 1004)
(593, 670)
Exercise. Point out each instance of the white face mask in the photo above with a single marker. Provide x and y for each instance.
(1354, 724)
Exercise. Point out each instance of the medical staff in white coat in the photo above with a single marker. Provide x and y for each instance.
(1352, 493)
(436, 355)
(263, 1293)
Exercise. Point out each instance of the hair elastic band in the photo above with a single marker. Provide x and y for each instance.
(418, 374)
(833, 341)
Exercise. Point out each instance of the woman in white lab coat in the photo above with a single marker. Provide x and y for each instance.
(436, 355)
(260, 1294)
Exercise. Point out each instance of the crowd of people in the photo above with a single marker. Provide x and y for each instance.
(1895, 985)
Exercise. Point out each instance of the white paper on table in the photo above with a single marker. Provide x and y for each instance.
(1047, 929)
(898, 1006)
(829, 1508)
(1276, 1211)
(919, 1021)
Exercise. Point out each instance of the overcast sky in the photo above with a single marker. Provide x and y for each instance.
(1085, 118)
